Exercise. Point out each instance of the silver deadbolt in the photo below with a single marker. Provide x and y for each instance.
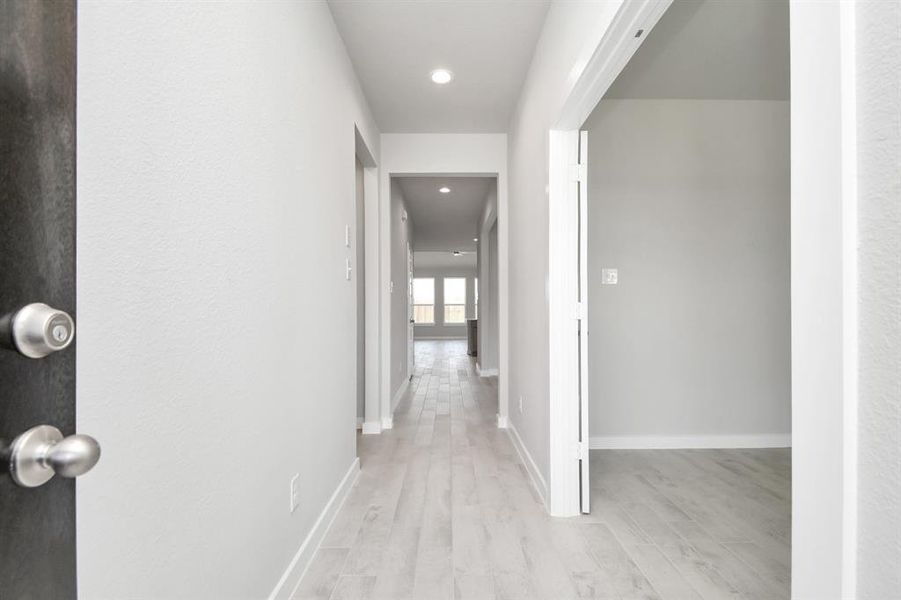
(42, 452)
(37, 330)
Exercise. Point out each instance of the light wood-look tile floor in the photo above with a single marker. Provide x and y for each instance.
(444, 509)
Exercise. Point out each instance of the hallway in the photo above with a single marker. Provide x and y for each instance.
(444, 509)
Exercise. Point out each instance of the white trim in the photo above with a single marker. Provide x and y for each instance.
(371, 402)
(372, 428)
(673, 442)
(503, 422)
(387, 423)
(850, 293)
(614, 50)
(485, 372)
(531, 467)
(824, 298)
(359, 422)
(563, 331)
(304, 556)
(609, 58)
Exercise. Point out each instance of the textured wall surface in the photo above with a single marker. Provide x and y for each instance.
(216, 339)
(879, 205)
(689, 199)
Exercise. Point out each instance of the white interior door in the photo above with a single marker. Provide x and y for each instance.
(411, 355)
(584, 472)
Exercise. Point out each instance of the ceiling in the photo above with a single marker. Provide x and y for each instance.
(445, 222)
(395, 44)
(444, 260)
(712, 49)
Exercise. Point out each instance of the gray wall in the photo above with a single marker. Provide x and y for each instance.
(489, 320)
(689, 199)
(401, 236)
(489, 284)
(879, 171)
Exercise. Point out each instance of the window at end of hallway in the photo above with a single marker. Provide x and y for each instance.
(424, 300)
(454, 300)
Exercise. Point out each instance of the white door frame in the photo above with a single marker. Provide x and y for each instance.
(371, 421)
(443, 155)
(613, 52)
(823, 282)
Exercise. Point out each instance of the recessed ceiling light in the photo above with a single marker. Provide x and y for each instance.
(457, 253)
(441, 76)
(444, 190)
(475, 239)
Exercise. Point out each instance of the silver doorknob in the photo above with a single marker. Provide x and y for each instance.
(42, 452)
(37, 330)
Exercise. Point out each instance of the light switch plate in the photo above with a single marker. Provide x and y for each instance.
(609, 276)
(295, 492)
(347, 269)
(347, 236)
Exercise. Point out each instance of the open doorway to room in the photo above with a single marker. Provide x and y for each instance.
(686, 373)
(437, 225)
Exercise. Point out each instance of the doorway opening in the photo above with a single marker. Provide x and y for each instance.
(438, 224)
(678, 243)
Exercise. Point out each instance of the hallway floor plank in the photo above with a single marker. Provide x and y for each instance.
(444, 509)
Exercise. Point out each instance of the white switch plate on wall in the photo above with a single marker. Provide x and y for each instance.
(295, 492)
(609, 276)
(347, 236)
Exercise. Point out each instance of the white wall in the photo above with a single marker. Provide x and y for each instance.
(214, 185)
(689, 199)
(879, 142)
(401, 239)
(571, 33)
(428, 265)
(455, 154)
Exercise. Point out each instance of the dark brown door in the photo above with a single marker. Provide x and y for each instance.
(37, 264)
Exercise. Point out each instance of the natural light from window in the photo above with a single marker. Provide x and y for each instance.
(424, 300)
(454, 300)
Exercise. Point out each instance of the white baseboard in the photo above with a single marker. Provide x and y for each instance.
(372, 428)
(290, 579)
(534, 474)
(388, 423)
(674, 442)
(502, 422)
(485, 372)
